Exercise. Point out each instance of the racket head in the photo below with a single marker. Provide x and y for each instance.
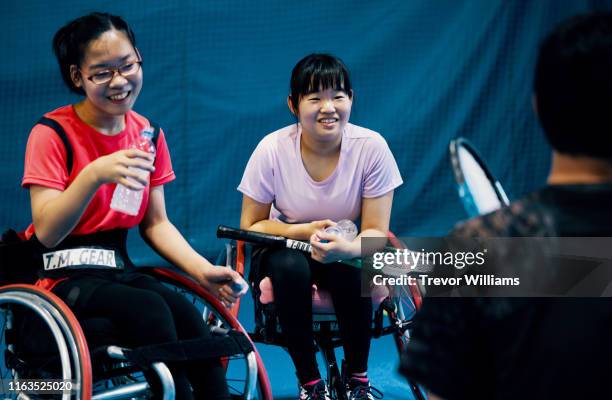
(480, 192)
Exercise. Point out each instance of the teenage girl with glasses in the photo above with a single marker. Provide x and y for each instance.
(99, 60)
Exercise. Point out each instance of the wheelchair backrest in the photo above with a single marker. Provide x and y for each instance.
(18, 259)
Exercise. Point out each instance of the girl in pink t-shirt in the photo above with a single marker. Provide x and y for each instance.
(298, 181)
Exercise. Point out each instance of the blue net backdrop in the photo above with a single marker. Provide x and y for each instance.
(216, 79)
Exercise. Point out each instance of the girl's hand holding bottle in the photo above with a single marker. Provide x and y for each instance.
(224, 283)
(335, 243)
(115, 167)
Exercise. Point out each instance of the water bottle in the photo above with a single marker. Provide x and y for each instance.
(126, 200)
(237, 287)
(344, 228)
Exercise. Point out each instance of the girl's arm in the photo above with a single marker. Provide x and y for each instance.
(375, 216)
(255, 217)
(55, 213)
(160, 233)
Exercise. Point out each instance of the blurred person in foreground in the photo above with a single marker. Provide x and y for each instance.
(538, 348)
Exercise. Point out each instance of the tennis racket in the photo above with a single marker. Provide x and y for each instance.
(479, 190)
(411, 296)
(226, 232)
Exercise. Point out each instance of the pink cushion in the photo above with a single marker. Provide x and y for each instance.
(321, 299)
(267, 295)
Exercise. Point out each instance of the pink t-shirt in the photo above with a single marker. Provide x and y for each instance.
(45, 165)
(276, 175)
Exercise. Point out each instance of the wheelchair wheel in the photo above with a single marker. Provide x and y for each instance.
(246, 375)
(400, 309)
(45, 352)
(401, 306)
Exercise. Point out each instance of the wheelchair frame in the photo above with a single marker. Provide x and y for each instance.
(74, 354)
(326, 338)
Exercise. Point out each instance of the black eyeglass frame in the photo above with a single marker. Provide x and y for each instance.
(115, 71)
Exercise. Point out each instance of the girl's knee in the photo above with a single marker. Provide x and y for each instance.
(154, 315)
(287, 265)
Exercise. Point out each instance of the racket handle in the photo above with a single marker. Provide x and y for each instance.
(299, 245)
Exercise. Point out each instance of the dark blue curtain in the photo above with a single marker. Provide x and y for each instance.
(216, 78)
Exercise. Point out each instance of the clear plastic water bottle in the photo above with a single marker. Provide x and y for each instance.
(344, 228)
(126, 200)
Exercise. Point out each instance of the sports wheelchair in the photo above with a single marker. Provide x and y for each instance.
(398, 307)
(46, 351)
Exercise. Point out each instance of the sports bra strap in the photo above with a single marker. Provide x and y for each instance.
(57, 127)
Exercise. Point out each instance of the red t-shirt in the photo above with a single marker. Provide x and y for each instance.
(45, 165)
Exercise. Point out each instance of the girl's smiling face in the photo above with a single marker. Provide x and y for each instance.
(112, 52)
(324, 114)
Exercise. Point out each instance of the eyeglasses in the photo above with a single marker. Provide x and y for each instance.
(102, 77)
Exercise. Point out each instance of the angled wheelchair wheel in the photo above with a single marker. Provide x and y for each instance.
(246, 375)
(46, 355)
(401, 305)
(400, 309)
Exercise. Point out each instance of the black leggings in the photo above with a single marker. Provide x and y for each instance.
(292, 274)
(144, 312)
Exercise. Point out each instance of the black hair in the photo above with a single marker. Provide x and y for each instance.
(573, 86)
(71, 40)
(315, 72)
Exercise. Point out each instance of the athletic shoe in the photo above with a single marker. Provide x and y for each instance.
(314, 391)
(360, 389)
